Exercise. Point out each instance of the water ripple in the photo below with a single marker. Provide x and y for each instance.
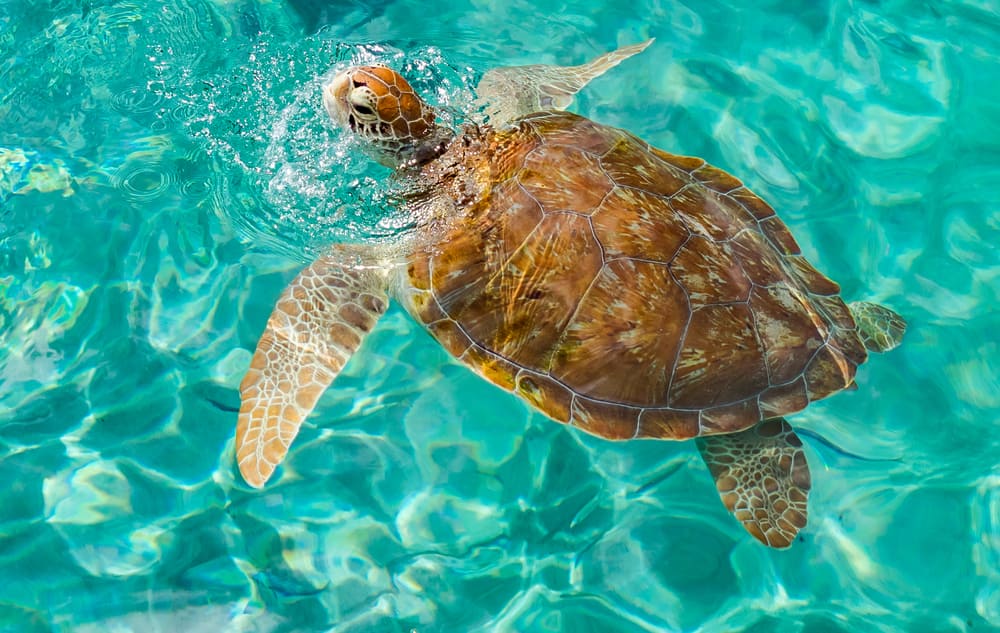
(136, 100)
(142, 181)
(83, 503)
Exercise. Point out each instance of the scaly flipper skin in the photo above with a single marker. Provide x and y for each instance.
(507, 93)
(763, 479)
(317, 324)
(879, 328)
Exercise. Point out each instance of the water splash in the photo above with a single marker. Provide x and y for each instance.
(298, 182)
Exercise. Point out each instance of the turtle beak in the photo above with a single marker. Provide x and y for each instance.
(335, 98)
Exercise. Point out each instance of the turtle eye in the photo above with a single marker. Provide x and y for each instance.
(364, 110)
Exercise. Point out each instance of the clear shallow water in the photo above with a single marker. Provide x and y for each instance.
(165, 170)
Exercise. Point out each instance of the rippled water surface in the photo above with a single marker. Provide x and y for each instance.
(165, 169)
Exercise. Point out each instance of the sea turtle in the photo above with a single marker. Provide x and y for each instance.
(616, 288)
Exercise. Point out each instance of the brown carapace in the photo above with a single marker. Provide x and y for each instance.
(627, 291)
(617, 288)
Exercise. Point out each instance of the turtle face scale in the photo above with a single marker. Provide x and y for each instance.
(378, 105)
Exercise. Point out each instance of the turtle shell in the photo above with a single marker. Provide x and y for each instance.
(624, 290)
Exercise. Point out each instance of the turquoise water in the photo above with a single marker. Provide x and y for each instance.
(165, 169)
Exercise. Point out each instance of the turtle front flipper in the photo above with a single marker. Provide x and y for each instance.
(879, 328)
(763, 479)
(317, 324)
(505, 94)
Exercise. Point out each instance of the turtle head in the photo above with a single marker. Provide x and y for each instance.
(379, 106)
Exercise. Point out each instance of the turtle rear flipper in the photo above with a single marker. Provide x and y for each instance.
(879, 328)
(763, 479)
(510, 92)
(318, 323)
